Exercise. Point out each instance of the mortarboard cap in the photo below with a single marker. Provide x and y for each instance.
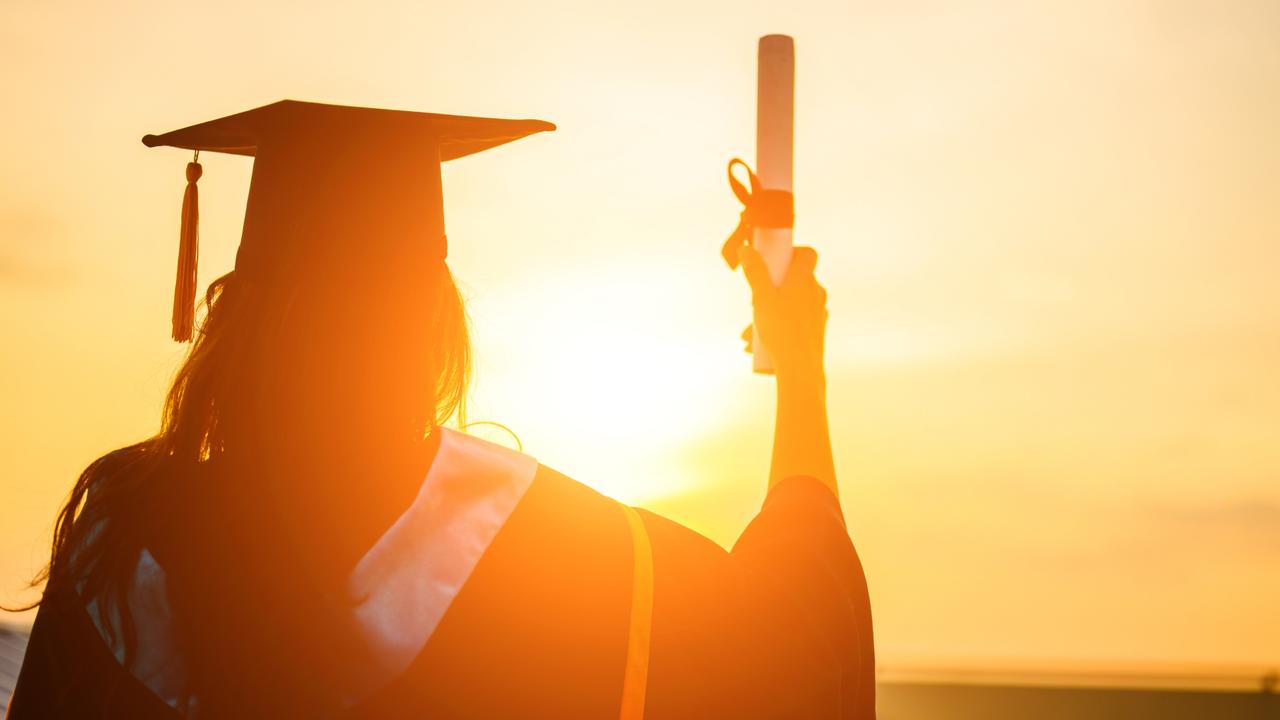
(334, 188)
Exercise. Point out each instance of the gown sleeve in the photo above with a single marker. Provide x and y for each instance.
(778, 627)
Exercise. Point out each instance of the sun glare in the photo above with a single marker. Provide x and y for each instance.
(599, 376)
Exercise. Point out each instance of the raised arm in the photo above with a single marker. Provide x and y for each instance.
(791, 319)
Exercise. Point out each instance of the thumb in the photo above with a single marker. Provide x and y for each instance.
(756, 271)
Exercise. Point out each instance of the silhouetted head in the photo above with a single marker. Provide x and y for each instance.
(341, 325)
(325, 366)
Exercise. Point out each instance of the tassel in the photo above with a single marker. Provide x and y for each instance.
(184, 290)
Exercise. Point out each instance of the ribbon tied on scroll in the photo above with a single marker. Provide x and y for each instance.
(761, 208)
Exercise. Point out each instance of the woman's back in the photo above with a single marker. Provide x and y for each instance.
(542, 624)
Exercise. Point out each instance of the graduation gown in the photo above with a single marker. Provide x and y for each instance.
(509, 590)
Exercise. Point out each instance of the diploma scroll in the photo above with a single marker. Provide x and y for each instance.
(775, 131)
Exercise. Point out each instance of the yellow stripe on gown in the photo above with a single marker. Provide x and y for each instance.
(636, 675)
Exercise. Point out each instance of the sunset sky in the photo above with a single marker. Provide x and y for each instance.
(1050, 232)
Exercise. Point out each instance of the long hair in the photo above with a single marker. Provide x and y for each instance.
(273, 373)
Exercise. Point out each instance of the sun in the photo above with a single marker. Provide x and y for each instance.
(599, 376)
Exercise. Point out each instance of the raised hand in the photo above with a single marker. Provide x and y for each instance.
(792, 317)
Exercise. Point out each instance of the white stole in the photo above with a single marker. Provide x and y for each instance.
(399, 590)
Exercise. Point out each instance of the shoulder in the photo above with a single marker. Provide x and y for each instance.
(559, 511)
(677, 549)
(553, 485)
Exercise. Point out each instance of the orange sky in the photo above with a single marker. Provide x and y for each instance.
(1051, 234)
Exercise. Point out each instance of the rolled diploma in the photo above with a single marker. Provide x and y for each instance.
(775, 130)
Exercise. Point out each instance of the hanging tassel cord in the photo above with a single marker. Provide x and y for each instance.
(184, 290)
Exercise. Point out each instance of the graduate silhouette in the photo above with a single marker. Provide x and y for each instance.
(304, 538)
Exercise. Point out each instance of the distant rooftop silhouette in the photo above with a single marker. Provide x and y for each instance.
(924, 695)
(13, 643)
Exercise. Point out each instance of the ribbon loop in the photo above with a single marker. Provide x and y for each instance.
(761, 208)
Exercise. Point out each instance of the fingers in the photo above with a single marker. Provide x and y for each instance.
(800, 272)
(754, 268)
(803, 261)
